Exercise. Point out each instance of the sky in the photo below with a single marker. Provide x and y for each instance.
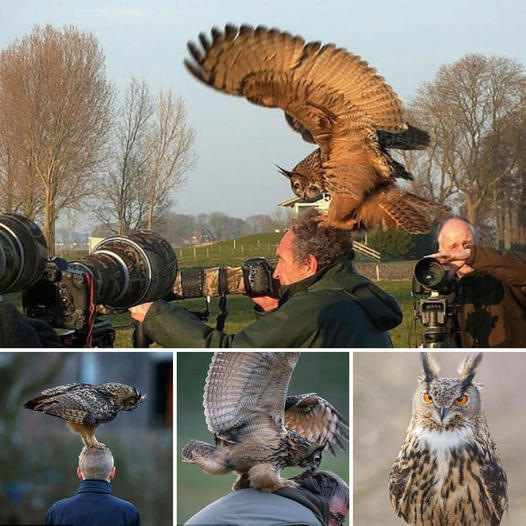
(238, 144)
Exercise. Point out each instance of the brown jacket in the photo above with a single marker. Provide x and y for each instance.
(493, 298)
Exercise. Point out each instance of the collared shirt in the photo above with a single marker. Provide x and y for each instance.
(93, 505)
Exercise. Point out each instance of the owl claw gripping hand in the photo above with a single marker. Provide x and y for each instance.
(85, 406)
(448, 471)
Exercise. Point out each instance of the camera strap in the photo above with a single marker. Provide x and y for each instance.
(222, 289)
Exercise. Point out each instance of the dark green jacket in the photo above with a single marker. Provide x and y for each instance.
(333, 308)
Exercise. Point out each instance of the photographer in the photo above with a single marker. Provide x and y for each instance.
(492, 287)
(322, 302)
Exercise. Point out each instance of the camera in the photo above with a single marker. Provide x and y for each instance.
(435, 303)
(122, 271)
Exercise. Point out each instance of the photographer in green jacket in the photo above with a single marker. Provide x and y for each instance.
(322, 301)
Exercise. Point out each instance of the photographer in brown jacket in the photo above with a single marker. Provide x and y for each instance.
(492, 287)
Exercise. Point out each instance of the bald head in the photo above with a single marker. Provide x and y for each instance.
(456, 233)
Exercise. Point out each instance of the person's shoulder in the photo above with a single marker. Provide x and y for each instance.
(124, 504)
(63, 502)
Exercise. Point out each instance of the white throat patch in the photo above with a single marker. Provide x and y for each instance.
(441, 442)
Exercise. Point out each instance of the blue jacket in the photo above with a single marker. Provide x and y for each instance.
(93, 505)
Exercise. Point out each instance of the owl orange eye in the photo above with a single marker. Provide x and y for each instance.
(427, 398)
(461, 400)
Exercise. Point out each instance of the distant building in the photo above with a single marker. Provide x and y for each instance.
(297, 204)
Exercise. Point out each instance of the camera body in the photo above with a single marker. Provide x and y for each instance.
(435, 302)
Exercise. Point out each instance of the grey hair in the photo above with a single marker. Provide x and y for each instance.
(96, 463)
(328, 484)
(326, 244)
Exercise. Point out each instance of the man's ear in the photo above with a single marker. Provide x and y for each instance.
(312, 263)
(112, 473)
(79, 474)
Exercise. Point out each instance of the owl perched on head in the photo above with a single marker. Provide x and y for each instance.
(448, 472)
(334, 99)
(258, 429)
(85, 406)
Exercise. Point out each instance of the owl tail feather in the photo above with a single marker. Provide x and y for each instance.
(211, 459)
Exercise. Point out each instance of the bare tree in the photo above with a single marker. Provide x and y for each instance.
(170, 143)
(468, 102)
(154, 149)
(122, 207)
(57, 101)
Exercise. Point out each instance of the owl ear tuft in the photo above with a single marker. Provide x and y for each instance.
(284, 172)
(467, 369)
(431, 368)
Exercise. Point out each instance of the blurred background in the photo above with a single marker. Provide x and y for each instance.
(39, 455)
(326, 373)
(384, 384)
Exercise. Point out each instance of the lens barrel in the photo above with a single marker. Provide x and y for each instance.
(430, 273)
(130, 270)
(23, 253)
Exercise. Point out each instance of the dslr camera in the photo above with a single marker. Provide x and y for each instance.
(435, 303)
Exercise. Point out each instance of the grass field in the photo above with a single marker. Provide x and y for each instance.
(234, 253)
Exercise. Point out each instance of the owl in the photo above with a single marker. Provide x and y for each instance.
(334, 99)
(258, 429)
(448, 472)
(85, 406)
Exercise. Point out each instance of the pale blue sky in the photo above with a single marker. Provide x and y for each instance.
(239, 144)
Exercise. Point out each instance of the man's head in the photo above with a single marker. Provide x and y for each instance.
(96, 463)
(334, 489)
(455, 235)
(307, 248)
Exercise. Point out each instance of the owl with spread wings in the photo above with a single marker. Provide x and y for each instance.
(335, 100)
(258, 429)
(85, 406)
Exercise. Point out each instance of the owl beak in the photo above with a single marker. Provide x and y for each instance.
(442, 413)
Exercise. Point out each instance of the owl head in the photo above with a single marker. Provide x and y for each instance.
(126, 397)
(303, 186)
(446, 403)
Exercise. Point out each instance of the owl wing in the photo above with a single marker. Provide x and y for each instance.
(79, 403)
(245, 393)
(317, 420)
(495, 483)
(399, 481)
(334, 95)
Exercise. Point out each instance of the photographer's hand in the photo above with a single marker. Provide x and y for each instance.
(456, 258)
(139, 312)
(459, 255)
(267, 303)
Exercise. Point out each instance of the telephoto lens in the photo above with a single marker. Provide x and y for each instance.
(253, 278)
(23, 253)
(130, 270)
